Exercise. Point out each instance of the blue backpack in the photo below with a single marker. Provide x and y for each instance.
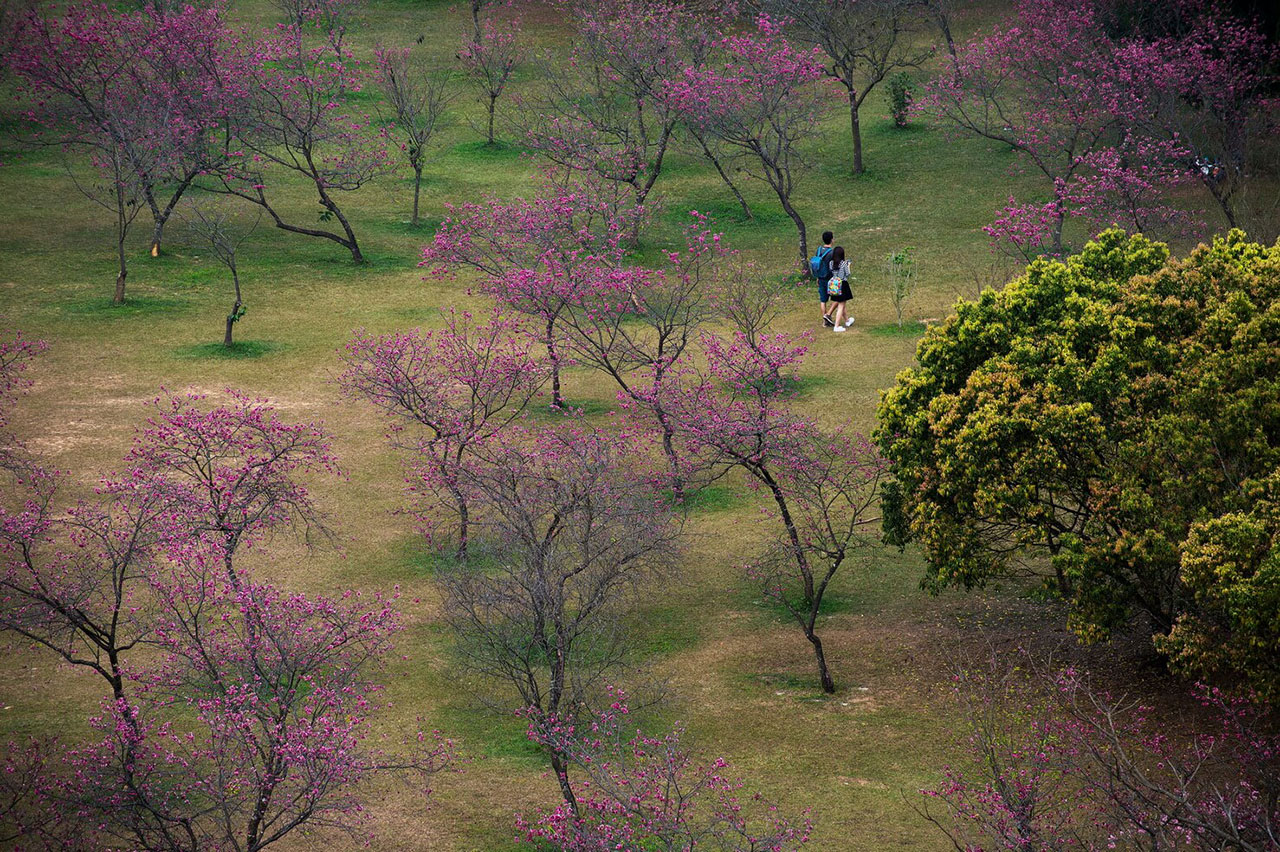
(818, 263)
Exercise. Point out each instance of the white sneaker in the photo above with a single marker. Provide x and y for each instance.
(839, 328)
(848, 322)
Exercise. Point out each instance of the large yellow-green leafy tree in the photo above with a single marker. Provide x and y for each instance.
(1080, 422)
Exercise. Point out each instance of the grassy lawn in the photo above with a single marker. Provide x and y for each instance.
(739, 675)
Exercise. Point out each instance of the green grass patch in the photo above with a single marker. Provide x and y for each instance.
(714, 498)
(573, 408)
(198, 276)
(374, 262)
(35, 170)
(664, 630)
(809, 386)
(892, 132)
(482, 151)
(426, 227)
(425, 562)
(438, 5)
(414, 315)
(239, 350)
(834, 602)
(485, 732)
(891, 329)
(805, 687)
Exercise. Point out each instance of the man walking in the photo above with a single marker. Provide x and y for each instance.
(820, 266)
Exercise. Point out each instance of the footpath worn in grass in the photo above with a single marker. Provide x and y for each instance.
(738, 674)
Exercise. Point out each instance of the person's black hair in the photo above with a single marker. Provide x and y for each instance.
(837, 257)
(827, 236)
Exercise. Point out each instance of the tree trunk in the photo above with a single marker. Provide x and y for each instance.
(122, 229)
(262, 801)
(562, 776)
(228, 561)
(464, 527)
(1228, 209)
(156, 216)
(742, 202)
(1222, 186)
(828, 685)
(793, 534)
(417, 190)
(669, 449)
(117, 684)
(350, 241)
(235, 309)
(549, 341)
(633, 230)
(1061, 580)
(1230, 175)
(1058, 222)
(230, 542)
(162, 217)
(942, 17)
(804, 239)
(226, 338)
(493, 106)
(855, 127)
(555, 694)
(652, 171)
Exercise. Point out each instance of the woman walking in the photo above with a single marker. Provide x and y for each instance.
(838, 287)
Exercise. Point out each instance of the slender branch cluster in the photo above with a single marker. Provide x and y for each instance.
(490, 55)
(447, 393)
(1057, 763)
(652, 791)
(418, 100)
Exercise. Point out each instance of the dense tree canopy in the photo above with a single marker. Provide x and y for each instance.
(1081, 421)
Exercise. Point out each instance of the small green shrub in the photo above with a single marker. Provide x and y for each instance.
(900, 278)
(901, 95)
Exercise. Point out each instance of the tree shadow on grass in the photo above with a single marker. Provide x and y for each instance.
(727, 214)
(134, 306)
(483, 151)
(573, 409)
(711, 498)
(240, 350)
